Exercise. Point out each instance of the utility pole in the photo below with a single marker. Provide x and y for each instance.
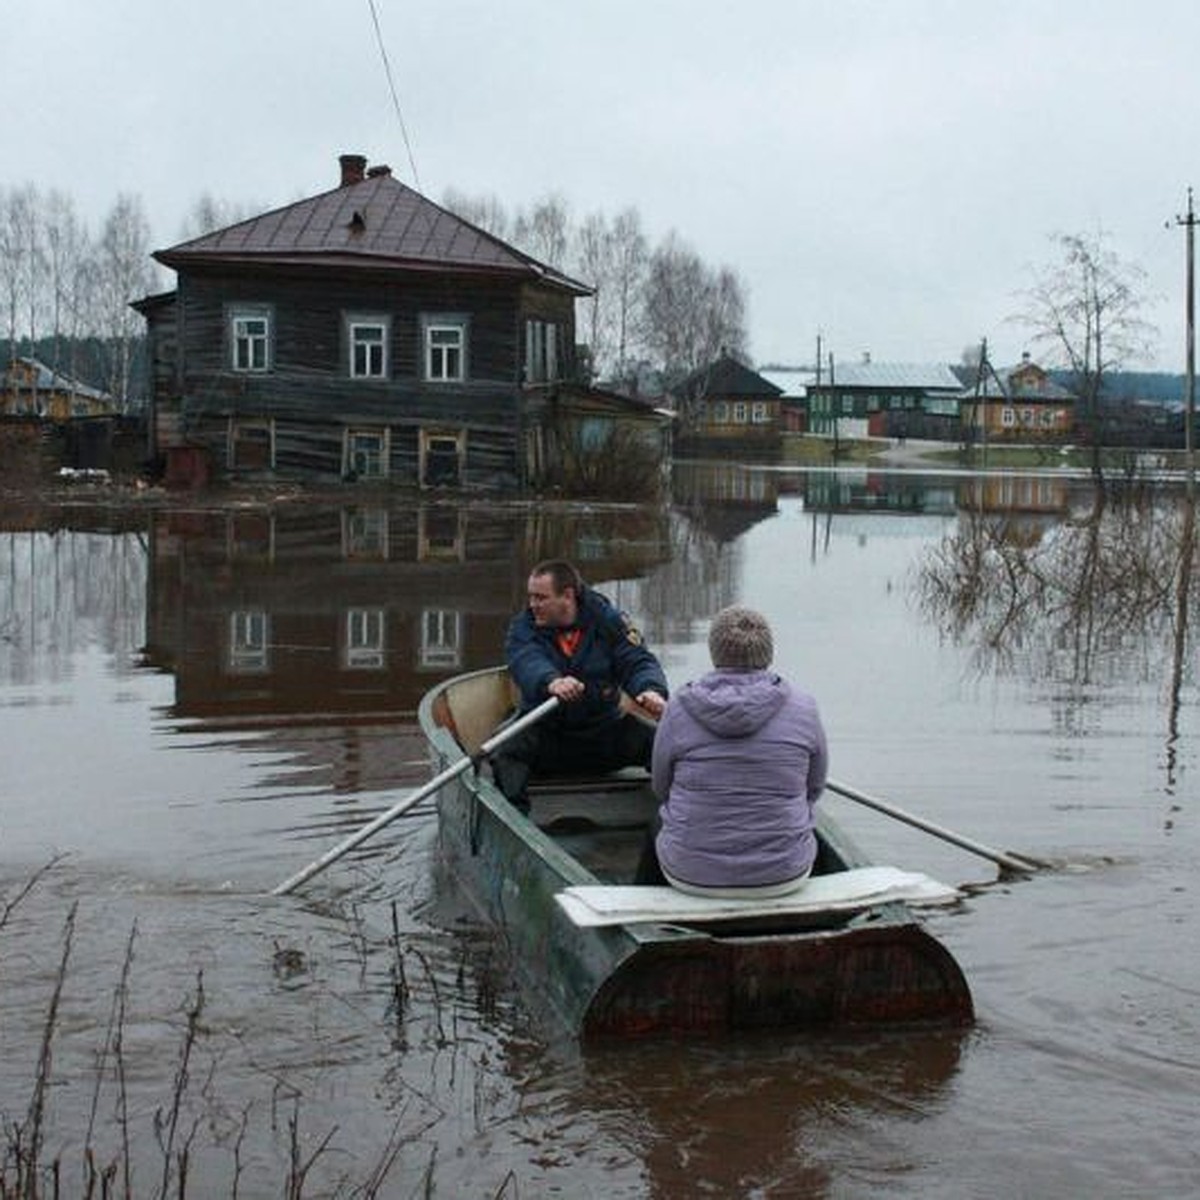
(1189, 412)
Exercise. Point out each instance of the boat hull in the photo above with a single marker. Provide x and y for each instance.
(622, 981)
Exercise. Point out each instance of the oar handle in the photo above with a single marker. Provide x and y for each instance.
(385, 818)
(1010, 862)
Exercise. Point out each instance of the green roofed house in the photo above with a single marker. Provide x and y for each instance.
(881, 399)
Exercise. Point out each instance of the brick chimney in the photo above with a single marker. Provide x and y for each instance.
(381, 170)
(354, 168)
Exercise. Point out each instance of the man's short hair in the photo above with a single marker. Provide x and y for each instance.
(564, 574)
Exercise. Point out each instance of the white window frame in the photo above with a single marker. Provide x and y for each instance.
(366, 533)
(250, 349)
(758, 412)
(444, 348)
(433, 541)
(249, 642)
(541, 351)
(243, 430)
(366, 639)
(739, 412)
(368, 345)
(441, 639)
(350, 449)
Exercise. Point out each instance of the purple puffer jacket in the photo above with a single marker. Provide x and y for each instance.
(740, 759)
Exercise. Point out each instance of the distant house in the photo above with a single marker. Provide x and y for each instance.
(726, 406)
(30, 388)
(362, 334)
(1018, 403)
(880, 399)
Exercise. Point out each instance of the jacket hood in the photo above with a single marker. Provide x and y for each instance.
(732, 703)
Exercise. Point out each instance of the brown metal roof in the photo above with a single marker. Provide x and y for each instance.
(378, 222)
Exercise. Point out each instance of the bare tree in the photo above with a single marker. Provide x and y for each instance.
(668, 309)
(545, 231)
(484, 212)
(70, 268)
(1086, 309)
(629, 259)
(691, 312)
(22, 260)
(125, 272)
(594, 264)
(208, 214)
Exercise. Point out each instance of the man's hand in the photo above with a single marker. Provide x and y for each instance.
(566, 688)
(652, 702)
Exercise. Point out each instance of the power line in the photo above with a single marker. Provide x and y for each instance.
(387, 69)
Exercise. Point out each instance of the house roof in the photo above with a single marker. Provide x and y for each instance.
(728, 377)
(1009, 383)
(378, 222)
(791, 381)
(46, 379)
(917, 376)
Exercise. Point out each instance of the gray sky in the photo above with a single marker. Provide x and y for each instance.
(887, 173)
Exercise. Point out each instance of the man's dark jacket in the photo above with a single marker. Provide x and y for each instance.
(610, 657)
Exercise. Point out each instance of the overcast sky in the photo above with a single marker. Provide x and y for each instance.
(886, 172)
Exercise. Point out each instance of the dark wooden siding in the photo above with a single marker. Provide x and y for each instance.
(308, 398)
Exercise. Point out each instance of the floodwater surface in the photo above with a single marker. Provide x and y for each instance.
(195, 702)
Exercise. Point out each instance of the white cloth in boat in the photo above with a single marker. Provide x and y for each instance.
(843, 891)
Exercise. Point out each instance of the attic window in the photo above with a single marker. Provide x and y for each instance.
(357, 223)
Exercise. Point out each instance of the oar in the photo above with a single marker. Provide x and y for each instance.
(451, 772)
(1009, 861)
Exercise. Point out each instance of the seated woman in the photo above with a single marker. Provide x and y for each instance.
(739, 761)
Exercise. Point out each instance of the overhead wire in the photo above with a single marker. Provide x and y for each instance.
(387, 69)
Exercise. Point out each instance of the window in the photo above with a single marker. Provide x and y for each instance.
(251, 445)
(758, 412)
(441, 458)
(720, 412)
(364, 639)
(541, 352)
(366, 454)
(250, 337)
(445, 349)
(594, 433)
(739, 412)
(249, 634)
(368, 349)
(365, 533)
(440, 534)
(441, 638)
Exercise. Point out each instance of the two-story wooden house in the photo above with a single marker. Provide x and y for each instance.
(362, 334)
(1017, 403)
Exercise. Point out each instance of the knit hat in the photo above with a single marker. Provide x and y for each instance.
(740, 638)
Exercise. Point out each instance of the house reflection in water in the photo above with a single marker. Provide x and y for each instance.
(878, 491)
(355, 610)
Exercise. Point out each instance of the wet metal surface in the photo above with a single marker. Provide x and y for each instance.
(194, 704)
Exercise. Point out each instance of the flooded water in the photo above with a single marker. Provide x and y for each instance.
(194, 703)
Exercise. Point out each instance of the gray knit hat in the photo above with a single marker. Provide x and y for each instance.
(741, 638)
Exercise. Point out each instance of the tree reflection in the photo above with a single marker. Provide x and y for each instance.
(1080, 601)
